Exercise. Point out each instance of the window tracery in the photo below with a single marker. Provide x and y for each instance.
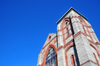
(50, 58)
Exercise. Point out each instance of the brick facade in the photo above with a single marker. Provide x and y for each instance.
(75, 42)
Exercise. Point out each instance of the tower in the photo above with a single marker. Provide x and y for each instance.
(74, 44)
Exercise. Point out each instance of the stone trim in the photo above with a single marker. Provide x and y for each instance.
(55, 48)
(71, 45)
(49, 42)
(96, 59)
(87, 62)
(96, 50)
(65, 45)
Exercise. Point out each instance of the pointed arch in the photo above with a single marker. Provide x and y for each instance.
(96, 50)
(71, 45)
(62, 27)
(73, 61)
(55, 48)
(96, 58)
(63, 22)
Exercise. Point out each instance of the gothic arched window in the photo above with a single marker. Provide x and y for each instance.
(73, 60)
(51, 58)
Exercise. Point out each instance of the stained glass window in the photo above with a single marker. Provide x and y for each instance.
(50, 59)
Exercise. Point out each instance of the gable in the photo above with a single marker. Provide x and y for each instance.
(69, 12)
(49, 38)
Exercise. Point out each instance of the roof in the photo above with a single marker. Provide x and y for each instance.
(68, 12)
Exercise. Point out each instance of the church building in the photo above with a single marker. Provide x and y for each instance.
(74, 44)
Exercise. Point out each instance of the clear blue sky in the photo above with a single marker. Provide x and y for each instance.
(25, 25)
